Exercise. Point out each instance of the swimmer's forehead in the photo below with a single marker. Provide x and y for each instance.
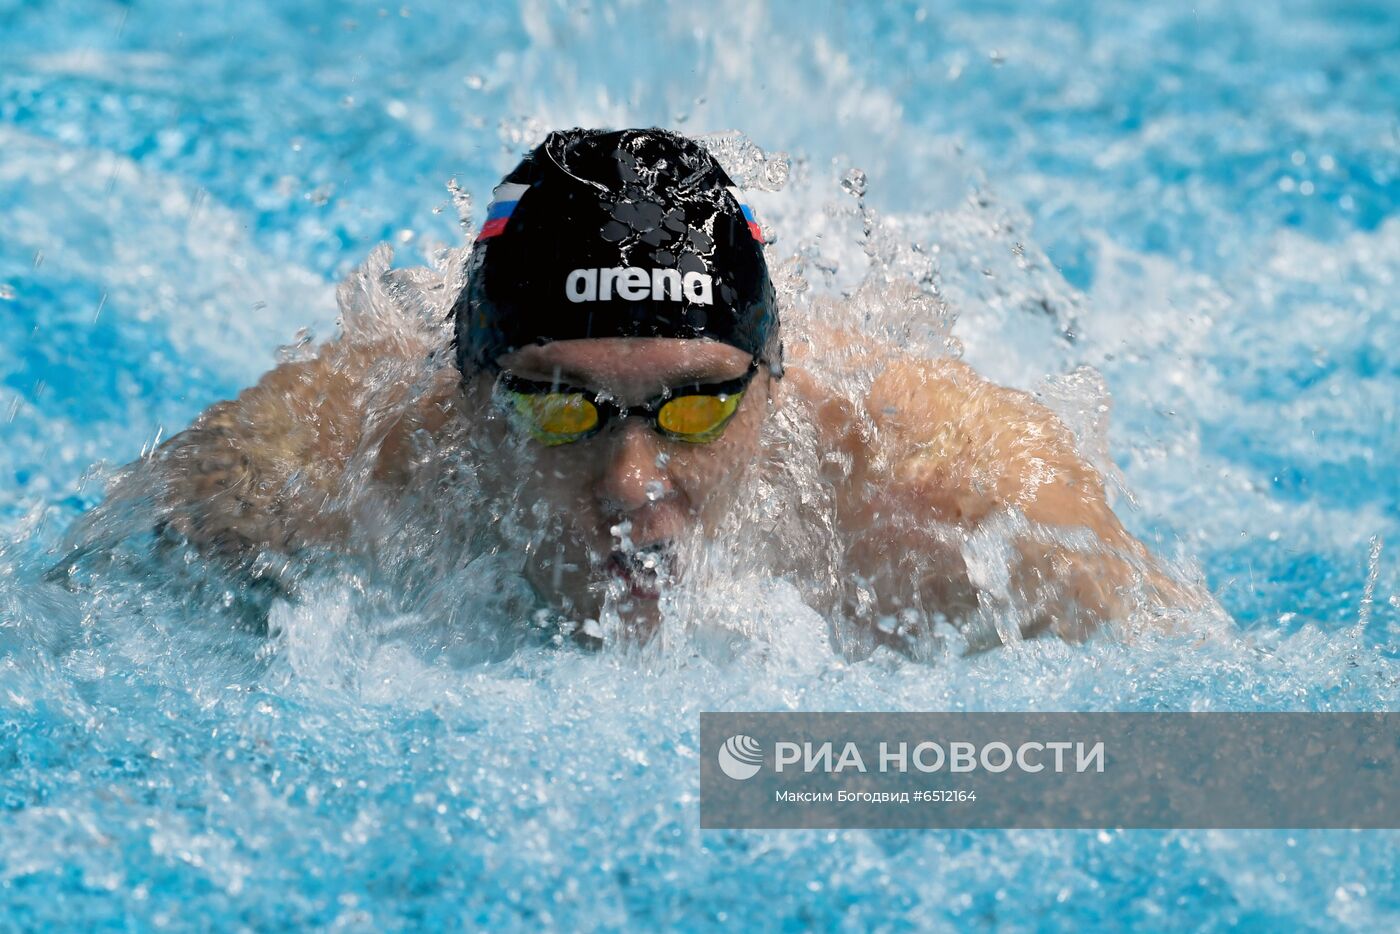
(628, 361)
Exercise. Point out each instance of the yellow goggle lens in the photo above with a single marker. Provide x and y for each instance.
(556, 417)
(697, 418)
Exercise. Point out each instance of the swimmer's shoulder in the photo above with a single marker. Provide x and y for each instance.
(863, 392)
(946, 423)
(273, 467)
(936, 430)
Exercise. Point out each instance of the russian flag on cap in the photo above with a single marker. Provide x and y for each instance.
(748, 213)
(504, 198)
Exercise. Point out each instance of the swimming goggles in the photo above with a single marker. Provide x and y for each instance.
(555, 414)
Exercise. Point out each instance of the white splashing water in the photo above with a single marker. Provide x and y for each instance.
(410, 745)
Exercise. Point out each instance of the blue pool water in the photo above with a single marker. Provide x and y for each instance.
(1200, 203)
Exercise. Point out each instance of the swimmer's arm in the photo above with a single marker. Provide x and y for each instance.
(956, 451)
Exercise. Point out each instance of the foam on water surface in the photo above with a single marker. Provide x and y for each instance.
(1178, 226)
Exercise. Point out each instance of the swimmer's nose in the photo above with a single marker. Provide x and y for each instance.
(632, 478)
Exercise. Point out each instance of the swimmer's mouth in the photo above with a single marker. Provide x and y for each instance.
(644, 571)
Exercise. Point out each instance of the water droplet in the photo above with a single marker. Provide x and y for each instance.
(462, 201)
(623, 533)
(475, 82)
(406, 235)
(854, 183)
(776, 171)
(299, 349)
(7, 292)
(655, 490)
(997, 56)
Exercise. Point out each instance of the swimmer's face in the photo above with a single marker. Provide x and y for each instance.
(629, 476)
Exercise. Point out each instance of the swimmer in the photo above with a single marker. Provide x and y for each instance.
(616, 373)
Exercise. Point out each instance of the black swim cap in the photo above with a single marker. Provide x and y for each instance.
(631, 233)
